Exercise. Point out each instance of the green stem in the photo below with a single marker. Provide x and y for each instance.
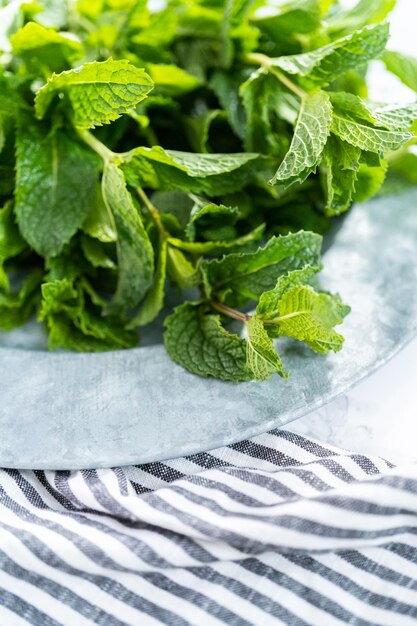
(96, 145)
(256, 58)
(226, 310)
(153, 211)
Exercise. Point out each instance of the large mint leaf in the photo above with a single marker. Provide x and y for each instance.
(209, 174)
(325, 64)
(238, 277)
(310, 136)
(55, 183)
(310, 317)
(44, 49)
(134, 250)
(366, 137)
(99, 92)
(402, 65)
(196, 340)
(261, 357)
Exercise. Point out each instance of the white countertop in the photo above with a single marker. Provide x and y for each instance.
(379, 416)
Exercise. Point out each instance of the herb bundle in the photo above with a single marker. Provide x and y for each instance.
(204, 146)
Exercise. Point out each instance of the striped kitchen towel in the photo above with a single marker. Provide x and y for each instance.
(275, 530)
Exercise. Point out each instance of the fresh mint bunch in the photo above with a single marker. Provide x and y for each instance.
(203, 148)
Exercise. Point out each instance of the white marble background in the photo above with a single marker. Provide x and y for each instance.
(379, 416)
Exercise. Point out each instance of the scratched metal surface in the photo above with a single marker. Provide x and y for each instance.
(68, 411)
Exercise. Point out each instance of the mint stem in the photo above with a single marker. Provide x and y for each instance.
(153, 211)
(255, 58)
(233, 313)
(96, 145)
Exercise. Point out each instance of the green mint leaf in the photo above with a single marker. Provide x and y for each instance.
(261, 357)
(11, 19)
(180, 269)
(261, 97)
(209, 174)
(395, 116)
(310, 317)
(325, 64)
(363, 13)
(403, 66)
(134, 250)
(154, 299)
(310, 136)
(196, 340)
(390, 116)
(55, 183)
(96, 253)
(366, 137)
(99, 92)
(206, 247)
(75, 322)
(43, 48)
(238, 277)
(16, 307)
(209, 215)
(99, 223)
(11, 241)
(226, 88)
(268, 305)
(402, 174)
(171, 80)
(339, 167)
(369, 180)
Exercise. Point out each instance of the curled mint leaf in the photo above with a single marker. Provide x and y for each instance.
(261, 358)
(134, 250)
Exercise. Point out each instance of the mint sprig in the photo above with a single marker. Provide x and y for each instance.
(196, 149)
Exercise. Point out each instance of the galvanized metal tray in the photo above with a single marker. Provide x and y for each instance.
(69, 411)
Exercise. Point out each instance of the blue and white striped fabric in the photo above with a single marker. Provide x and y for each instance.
(275, 530)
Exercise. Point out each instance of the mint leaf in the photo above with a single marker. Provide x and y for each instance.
(261, 358)
(205, 247)
(171, 80)
(325, 64)
(340, 167)
(95, 252)
(238, 277)
(11, 241)
(154, 299)
(16, 307)
(209, 174)
(268, 305)
(366, 137)
(402, 65)
(75, 322)
(134, 250)
(55, 182)
(211, 216)
(43, 48)
(310, 317)
(99, 92)
(196, 340)
(310, 136)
